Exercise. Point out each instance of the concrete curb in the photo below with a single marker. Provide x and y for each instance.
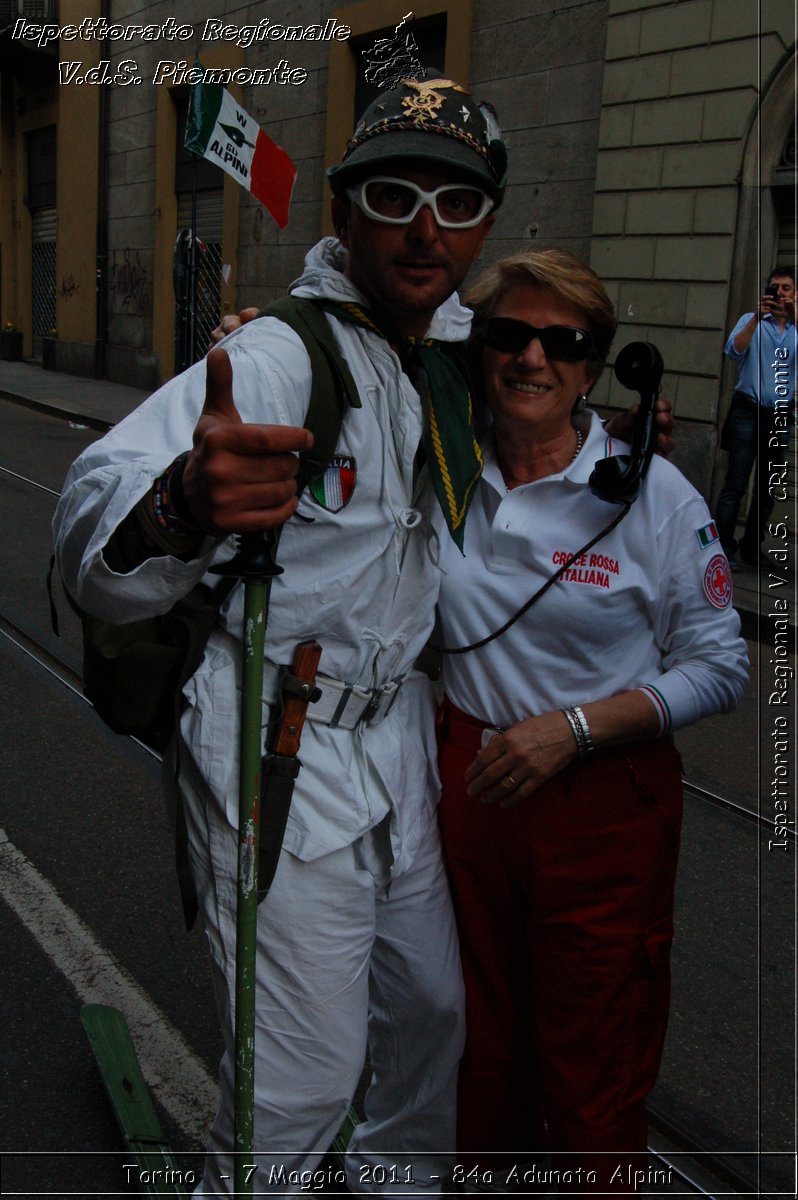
(49, 408)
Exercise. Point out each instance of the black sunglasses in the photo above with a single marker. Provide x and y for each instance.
(563, 343)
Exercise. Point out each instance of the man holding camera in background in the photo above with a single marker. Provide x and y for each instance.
(756, 429)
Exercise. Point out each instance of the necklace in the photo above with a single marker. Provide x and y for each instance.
(580, 441)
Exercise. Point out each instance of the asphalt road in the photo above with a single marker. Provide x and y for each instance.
(82, 806)
(87, 848)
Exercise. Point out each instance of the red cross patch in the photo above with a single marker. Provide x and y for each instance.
(718, 582)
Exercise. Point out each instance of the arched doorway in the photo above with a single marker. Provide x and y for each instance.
(765, 232)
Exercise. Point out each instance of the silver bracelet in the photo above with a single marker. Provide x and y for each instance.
(575, 729)
(580, 729)
(587, 739)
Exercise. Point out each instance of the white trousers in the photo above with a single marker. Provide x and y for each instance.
(345, 959)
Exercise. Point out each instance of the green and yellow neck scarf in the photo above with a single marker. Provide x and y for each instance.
(439, 373)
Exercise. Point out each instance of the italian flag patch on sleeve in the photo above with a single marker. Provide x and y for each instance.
(707, 534)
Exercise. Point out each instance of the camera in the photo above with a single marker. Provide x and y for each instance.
(772, 290)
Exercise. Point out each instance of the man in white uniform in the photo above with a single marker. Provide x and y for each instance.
(357, 924)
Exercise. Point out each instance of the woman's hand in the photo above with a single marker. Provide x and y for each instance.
(621, 425)
(230, 323)
(515, 763)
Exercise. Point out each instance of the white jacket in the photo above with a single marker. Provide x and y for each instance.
(362, 581)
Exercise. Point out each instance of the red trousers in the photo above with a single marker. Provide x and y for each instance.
(564, 905)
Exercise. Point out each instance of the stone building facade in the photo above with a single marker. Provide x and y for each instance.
(695, 187)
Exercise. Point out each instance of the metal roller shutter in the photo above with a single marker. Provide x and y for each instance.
(43, 242)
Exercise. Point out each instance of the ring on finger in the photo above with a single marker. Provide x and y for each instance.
(509, 783)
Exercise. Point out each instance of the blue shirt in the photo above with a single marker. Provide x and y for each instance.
(767, 367)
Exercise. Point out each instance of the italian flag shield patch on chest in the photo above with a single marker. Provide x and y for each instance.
(333, 490)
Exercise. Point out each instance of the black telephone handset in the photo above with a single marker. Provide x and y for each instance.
(618, 480)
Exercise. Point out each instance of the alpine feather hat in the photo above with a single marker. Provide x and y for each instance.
(427, 119)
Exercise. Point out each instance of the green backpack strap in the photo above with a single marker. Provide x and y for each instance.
(331, 379)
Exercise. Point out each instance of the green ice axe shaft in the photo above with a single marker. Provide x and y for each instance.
(254, 563)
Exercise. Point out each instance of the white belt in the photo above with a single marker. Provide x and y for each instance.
(341, 705)
(345, 706)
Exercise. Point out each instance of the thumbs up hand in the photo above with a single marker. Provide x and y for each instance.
(239, 477)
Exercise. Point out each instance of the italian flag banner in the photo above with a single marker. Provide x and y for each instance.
(219, 130)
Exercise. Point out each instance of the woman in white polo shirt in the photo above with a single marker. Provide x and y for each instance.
(561, 831)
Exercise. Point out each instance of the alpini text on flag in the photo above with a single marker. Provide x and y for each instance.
(221, 131)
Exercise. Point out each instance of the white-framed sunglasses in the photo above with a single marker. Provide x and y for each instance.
(396, 202)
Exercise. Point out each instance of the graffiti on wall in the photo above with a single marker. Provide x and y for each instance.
(131, 291)
(69, 287)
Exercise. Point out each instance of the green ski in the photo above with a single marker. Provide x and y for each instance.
(107, 1031)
